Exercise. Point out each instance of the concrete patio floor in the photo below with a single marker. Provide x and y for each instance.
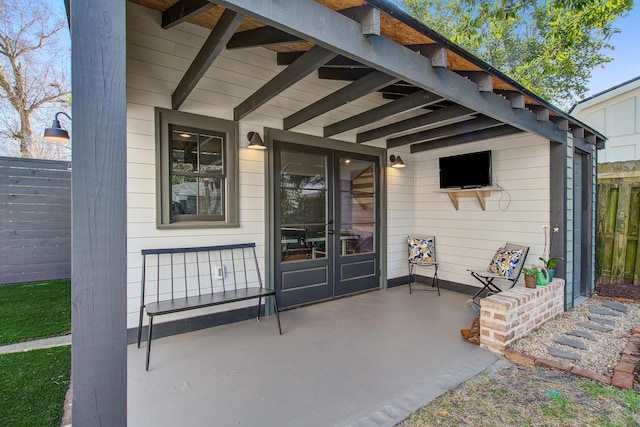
(365, 360)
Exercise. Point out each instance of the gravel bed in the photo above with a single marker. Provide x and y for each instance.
(601, 356)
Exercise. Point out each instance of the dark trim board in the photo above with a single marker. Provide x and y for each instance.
(444, 284)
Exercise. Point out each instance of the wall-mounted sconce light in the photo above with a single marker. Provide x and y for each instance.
(255, 141)
(396, 162)
(56, 133)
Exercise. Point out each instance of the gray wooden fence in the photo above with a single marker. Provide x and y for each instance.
(35, 220)
(617, 248)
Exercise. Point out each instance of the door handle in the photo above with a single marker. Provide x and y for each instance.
(330, 231)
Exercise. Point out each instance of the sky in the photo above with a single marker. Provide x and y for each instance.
(626, 63)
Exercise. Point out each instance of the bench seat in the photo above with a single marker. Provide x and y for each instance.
(208, 300)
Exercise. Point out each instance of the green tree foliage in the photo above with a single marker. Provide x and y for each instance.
(548, 46)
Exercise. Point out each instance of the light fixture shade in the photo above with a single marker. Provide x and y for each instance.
(255, 141)
(396, 162)
(56, 133)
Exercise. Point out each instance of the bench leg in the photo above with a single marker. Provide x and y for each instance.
(140, 325)
(149, 332)
(275, 307)
(259, 304)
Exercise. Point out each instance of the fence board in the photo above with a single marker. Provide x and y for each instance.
(618, 228)
(35, 220)
(30, 181)
(37, 242)
(56, 174)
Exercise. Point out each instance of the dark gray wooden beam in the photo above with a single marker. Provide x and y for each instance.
(295, 72)
(317, 23)
(443, 116)
(480, 135)
(343, 74)
(459, 128)
(261, 37)
(406, 103)
(437, 54)
(516, 98)
(369, 83)
(211, 48)
(399, 90)
(482, 79)
(561, 122)
(591, 138)
(558, 205)
(542, 113)
(183, 11)
(287, 58)
(99, 220)
(367, 16)
(577, 131)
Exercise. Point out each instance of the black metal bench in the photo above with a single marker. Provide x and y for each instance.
(199, 277)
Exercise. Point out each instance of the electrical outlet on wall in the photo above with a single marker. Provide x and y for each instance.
(218, 272)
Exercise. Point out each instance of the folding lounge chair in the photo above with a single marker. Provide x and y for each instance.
(506, 265)
(422, 253)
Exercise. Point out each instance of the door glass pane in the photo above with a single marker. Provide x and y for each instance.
(357, 206)
(303, 206)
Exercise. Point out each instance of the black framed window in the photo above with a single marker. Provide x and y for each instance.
(197, 170)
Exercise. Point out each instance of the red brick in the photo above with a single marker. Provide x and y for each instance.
(553, 365)
(517, 357)
(629, 359)
(499, 316)
(622, 380)
(603, 378)
(485, 332)
(634, 338)
(625, 367)
(493, 325)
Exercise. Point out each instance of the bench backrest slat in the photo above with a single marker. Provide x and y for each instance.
(197, 249)
(193, 277)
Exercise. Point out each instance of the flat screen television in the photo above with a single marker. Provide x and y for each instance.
(471, 170)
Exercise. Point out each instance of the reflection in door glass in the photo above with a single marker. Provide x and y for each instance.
(357, 206)
(303, 206)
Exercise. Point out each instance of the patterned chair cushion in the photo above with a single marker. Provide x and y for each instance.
(421, 250)
(504, 261)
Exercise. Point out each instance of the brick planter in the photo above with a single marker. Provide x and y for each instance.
(512, 314)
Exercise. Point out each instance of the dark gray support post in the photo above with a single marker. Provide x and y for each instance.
(558, 206)
(99, 278)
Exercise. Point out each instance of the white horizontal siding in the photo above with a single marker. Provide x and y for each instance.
(469, 237)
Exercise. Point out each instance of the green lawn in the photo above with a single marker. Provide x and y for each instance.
(36, 310)
(33, 385)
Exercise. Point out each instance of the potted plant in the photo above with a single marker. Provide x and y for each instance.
(531, 276)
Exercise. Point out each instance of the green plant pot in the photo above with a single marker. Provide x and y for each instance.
(551, 273)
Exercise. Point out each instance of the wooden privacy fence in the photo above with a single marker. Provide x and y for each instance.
(35, 220)
(618, 222)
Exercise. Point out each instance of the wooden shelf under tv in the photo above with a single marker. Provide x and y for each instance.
(479, 193)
